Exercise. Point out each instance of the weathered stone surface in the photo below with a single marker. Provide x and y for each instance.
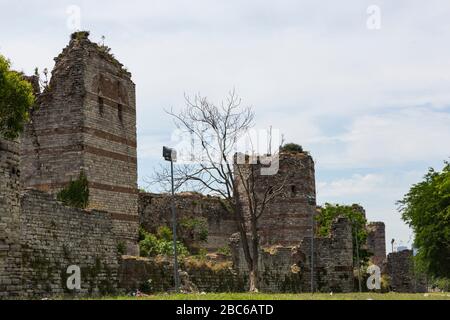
(86, 121)
(283, 269)
(376, 242)
(288, 268)
(402, 274)
(156, 275)
(10, 231)
(155, 211)
(56, 237)
(289, 216)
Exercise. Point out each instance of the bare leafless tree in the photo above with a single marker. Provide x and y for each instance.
(216, 131)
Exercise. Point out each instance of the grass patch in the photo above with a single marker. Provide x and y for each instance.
(301, 296)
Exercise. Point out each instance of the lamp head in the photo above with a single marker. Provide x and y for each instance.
(169, 154)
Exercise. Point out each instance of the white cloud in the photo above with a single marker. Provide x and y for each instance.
(350, 187)
(392, 138)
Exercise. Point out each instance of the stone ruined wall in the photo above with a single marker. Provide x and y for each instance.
(86, 121)
(376, 242)
(155, 211)
(288, 217)
(334, 258)
(156, 275)
(288, 269)
(10, 255)
(400, 269)
(55, 237)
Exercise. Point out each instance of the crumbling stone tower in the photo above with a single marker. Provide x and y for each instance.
(86, 121)
(10, 254)
(376, 242)
(289, 216)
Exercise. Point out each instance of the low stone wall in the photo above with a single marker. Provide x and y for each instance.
(156, 275)
(403, 277)
(283, 269)
(56, 237)
(288, 269)
(155, 211)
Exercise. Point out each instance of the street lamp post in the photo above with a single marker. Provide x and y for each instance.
(171, 155)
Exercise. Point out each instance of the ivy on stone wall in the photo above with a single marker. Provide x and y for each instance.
(76, 194)
(325, 219)
(195, 228)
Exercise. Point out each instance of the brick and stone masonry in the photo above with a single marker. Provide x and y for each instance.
(289, 216)
(86, 121)
(40, 238)
(10, 231)
(155, 211)
(376, 242)
(402, 273)
(288, 268)
(55, 237)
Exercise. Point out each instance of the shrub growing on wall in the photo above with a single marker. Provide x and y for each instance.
(291, 147)
(151, 245)
(194, 228)
(76, 194)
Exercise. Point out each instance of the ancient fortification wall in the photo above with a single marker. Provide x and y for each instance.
(86, 121)
(402, 274)
(40, 238)
(288, 268)
(10, 255)
(283, 269)
(56, 237)
(376, 242)
(155, 211)
(288, 217)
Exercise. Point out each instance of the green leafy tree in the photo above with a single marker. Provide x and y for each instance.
(16, 98)
(426, 209)
(329, 212)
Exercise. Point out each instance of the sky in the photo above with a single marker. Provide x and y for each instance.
(364, 86)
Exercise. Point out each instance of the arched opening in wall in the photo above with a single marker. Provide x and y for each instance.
(120, 112)
(100, 106)
(293, 191)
